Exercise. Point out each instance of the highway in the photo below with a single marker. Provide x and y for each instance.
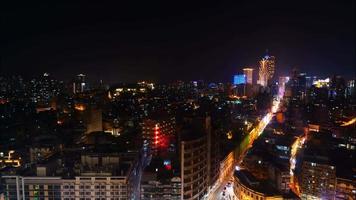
(216, 193)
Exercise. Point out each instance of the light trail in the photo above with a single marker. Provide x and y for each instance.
(296, 146)
(348, 123)
(215, 192)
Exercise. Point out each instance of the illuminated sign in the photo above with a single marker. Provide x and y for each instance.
(167, 164)
(321, 83)
(239, 79)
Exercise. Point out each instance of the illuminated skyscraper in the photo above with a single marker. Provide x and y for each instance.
(79, 84)
(239, 79)
(266, 70)
(249, 75)
(156, 132)
(262, 73)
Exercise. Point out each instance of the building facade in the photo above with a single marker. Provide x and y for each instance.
(156, 133)
(248, 72)
(194, 171)
(94, 119)
(248, 187)
(79, 84)
(266, 70)
(57, 188)
(345, 189)
(318, 180)
(156, 190)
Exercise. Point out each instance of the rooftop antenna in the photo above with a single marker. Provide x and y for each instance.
(266, 56)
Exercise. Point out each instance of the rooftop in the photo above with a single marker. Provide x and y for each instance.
(249, 181)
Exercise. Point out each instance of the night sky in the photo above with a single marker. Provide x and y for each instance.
(165, 41)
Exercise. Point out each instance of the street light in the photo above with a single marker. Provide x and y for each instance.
(237, 168)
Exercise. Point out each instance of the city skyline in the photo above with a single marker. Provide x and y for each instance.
(248, 100)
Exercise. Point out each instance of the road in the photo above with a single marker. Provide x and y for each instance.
(217, 191)
(297, 145)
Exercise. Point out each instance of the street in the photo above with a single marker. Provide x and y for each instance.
(218, 192)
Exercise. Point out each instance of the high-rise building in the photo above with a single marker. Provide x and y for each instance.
(310, 80)
(185, 172)
(351, 91)
(156, 132)
(283, 80)
(239, 79)
(199, 154)
(337, 90)
(318, 179)
(194, 170)
(43, 90)
(249, 75)
(266, 70)
(79, 84)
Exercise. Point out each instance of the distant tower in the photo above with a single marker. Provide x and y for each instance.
(266, 70)
(249, 75)
(262, 73)
(79, 84)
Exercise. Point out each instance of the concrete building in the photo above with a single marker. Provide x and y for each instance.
(156, 190)
(248, 72)
(199, 161)
(157, 132)
(246, 186)
(194, 170)
(345, 188)
(280, 176)
(189, 171)
(318, 179)
(92, 172)
(79, 84)
(58, 188)
(94, 119)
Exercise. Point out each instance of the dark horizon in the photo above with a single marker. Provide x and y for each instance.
(162, 42)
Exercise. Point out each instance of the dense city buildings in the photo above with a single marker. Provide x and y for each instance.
(145, 101)
(179, 141)
(97, 170)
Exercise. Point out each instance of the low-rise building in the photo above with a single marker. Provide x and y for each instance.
(92, 172)
(246, 186)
